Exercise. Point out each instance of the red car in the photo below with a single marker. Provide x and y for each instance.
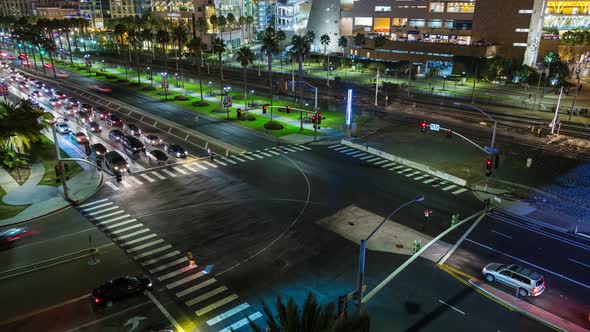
(79, 136)
(23, 57)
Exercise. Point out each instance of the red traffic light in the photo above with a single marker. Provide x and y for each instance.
(288, 109)
(489, 164)
(423, 126)
(313, 118)
(239, 110)
(264, 109)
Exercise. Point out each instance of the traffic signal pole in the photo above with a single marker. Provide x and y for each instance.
(60, 162)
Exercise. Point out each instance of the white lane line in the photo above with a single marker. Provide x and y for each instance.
(189, 167)
(222, 163)
(165, 312)
(108, 183)
(429, 180)
(345, 150)
(367, 157)
(442, 183)
(255, 155)
(449, 187)
(126, 184)
(158, 175)
(461, 239)
(450, 306)
(421, 177)
(196, 287)
(97, 207)
(296, 147)
(179, 170)
(216, 305)
(126, 229)
(120, 224)
(531, 264)
(274, 152)
(242, 322)
(381, 162)
(134, 179)
(168, 172)
(143, 238)
(575, 261)
(405, 170)
(229, 160)
(359, 154)
(238, 158)
(153, 251)
(126, 236)
(205, 296)
(247, 157)
(501, 234)
(228, 314)
(113, 219)
(210, 164)
(145, 176)
(350, 153)
(177, 272)
(92, 203)
(169, 264)
(146, 245)
(333, 146)
(413, 174)
(103, 210)
(185, 280)
(459, 191)
(265, 154)
(199, 166)
(304, 147)
(157, 259)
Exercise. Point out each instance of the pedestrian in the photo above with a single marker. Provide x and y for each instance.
(530, 95)
(210, 153)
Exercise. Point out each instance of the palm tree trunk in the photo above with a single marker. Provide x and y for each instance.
(138, 67)
(52, 66)
(34, 59)
(270, 81)
(43, 65)
(245, 91)
(300, 59)
(166, 57)
(200, 79)
(70, 49)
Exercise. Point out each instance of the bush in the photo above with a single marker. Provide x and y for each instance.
(134, 84)
(112, 77)
(272, 125)
(250, 117)
(98, 73)
(181, 98)
(200, 103)
(148, 88)
(219, 110)
(122, 80)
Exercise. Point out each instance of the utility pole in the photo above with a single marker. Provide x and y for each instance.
(577, 92)
(376, 86)
(474, 79)
(555, 116)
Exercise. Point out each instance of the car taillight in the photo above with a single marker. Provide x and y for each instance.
(96, 300)
(535, 289)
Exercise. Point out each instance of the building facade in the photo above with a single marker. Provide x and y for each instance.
(17, 8)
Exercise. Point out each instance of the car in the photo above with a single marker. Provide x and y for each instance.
(152, 140)
(4, 65)
(12, 70)
(48, 91)
(104, 89)
(116, 135)
(86, 107)
(23, 85)
(60, 94)
(82, 117)
(23, 57)
(131, 129)
(54, 101)
(113, 120)
(93, 127)
(175, 150)
(69, 110)
(39, 84)
(100, 114)
(120, 288)
(115, 162)
(12, 78)
(10, 236)
(73, 102)
(19, 74)
(157, 156)
(79, 137)
(98, 150)
(132, 145)
(527, 282)
(36, 93)
(62, 128)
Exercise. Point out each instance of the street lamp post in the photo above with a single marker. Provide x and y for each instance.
(484, 113)
(151, 77)
(58, 155)
(252, 95)
(363, 249)
(210, 88)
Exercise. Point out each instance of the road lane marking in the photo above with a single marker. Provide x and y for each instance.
(146, 245)
(196, 287)
(399, 166)
(134, 179)
(501, 234)
(304, 147)
(450, 306)
(274, 152)
(341, 147)
(429, 180)
(145, 176)
(177, 272)
(158, 175)
(200, 166)
(185, 280)
(264, 153)
(333, 146)
(238, 158)
(247, 157)
(157, 259)
(242, 322)
(165, 312)
(373, 159)
(210, 164)
(388, 165)
(126, 184)
(179, 170)
(205, 296)
(216, 305)
(412, 174)
(169, 173)
(228, 314)
(289, 149)
(126, 236)
(97, 207)
(366, 157)
(170, 264)
(448, 187)
(143, 238)
(108, 183)
(126, 229)
(381, 162)
(153, 251)
(229, 160)
(224, 164)
(531, 264)
(421, 177)
(113, 219)
(103, 210)
(92, 203)
(575, 261)
(459, 191)
(461, 239)
(129, 221)
(192, 169)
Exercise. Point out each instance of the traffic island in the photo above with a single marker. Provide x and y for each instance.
(272, 125)
(181, 98)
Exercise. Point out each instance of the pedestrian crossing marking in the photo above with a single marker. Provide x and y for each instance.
(158, 175)
(97, 207)
(228, 314)
(216, 305)
(177, 272)
(146, 245)
(238, 158)
(196, 287)
(127, 229)
(449, 187)
(126, 236)
(126, 222)
(229, 160)
(108, 183)
(205, 296)
(247, 157)
(147, 177)
(102, 211)
(153, 251)
(113, 219)
(169, 173)
(169, 264)
(157, 259)
(209, 164)
(179, 170)
(242, 322)
(134, 179)
(143, 238)
(459, 191)
(191, 168)
(92, 203)
(186, 279)
(221, 162)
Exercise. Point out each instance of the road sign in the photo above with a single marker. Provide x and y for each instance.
(434, 127)
(491, 150)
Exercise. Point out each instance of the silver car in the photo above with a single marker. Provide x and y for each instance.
(527, 282)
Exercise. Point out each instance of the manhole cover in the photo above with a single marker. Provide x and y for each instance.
(399, 246)
(350, 223)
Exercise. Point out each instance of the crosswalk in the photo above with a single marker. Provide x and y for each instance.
(187, 168)
(400, 169)
(210, 301)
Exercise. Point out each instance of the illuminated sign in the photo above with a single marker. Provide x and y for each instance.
(349, 108)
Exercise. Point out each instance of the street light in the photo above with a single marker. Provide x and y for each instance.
(210, 88)
(363, 249)
(252, 94)
(484, 113)
(151, 77)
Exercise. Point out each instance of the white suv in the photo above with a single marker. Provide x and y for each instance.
(526, 281)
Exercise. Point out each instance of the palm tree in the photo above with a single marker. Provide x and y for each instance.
(147, 35)
(343, 43)
(301, 47)
(197, 46)
(222, 24)
(214, 20)
(246, 58)
(218, 47)
(22, 124)
(67, 30)
(119, 30)
(325, 41)
(359, 40)
(249, 21)
(270, 45)
(83, 24)
(49, 45)
(163, 38)
(231, 24)
(180, 35)
(135, 42)
(201, 26)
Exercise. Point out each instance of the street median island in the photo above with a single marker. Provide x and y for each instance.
(181, 98)
(218, 110)
(148, 88)
(272, 125)
(200, 103)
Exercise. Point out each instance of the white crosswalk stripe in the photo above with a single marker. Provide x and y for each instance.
(126, 236)
(102, 211)
(304, 147)
(97, 207)
(242, 322)
(255, 155)
(456, 192)
(143, 238)
(147, 177)
(413, 174)
(274, 152)
(134, 179)
(359, 154)
(229, 160)
(191, 168)
(108, 183)
(199, 166)
(205, 296)
(381, 162)
(110, 215)
(146, 245)
(196, 287)
(399, 166)
(429, 180)
(421, 177)
(209, 164)
(228, 314)
(127, 228)
(185, 280)
(296, 147)
(264, 153)
(405, 170)
(158, 175)
(126, 222)
(168, 172)
(177, 272)
(289, 149)
(342, 148)
(179, 170)
(216, 305)
(170, 264)
(247, 157)
(333, 146)
(93, 203)
(238, 158)
(448, 187)
(126, 184)
(389, 165)
(157, 259)
(153, 251)
(373, 159)
(366, 157)
(350, 153)
(220, 162)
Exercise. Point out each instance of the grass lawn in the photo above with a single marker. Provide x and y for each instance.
(44, 151)
(8, 211)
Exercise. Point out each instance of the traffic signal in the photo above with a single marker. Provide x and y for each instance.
(449, 133)
(488, 167)
(239, 114)
(288, 109)
(313, 119)
(423, 126)
(57, 173)
(454, 219)
(264, 108)
(320, 116)
(87, 148)
(119, 177)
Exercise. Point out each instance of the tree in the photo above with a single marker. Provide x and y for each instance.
(222, 24)
(496, 66)
(214, 20)
(218, 47)
(49, 45)
(201, 26)
(231, 25)
(180, 35)
(197, 46)
(343, 44)
(245, 57)
(242, 24)
(301, 47)
(325, 41)
(380, 40)
(21, 125)
(270, 45)
(249, 22)
(163, 38)
(359, 40)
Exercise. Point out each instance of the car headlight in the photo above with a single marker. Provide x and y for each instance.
(116, 167)
(149, 285)
(178, 154)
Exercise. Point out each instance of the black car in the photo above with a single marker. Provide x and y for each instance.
(115, 162)
(175, 150)
(98, 150)
(60, 95)
(72, 102)
(116, 135)
(10, 236)
(131, 129)
(39, 84)
(113, 120)
(120, 288)
(86, 107)
(82, 117)
(157, 156)
(132, 145)
(93, 127)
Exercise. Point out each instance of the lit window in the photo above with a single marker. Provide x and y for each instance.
(449, 24)
(519, 44)
(417, 23)
(437, 7)
(435, 24)
(363, 21)
(525, 11)
(522, 30)
(400, 21)
(460, 7)
(382, 8)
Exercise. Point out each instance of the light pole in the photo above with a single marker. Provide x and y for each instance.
(210, 88)
(376, 86)
(444, 81)
(363, 249)
(252, 94)
(151, 77)
(58, 155)
(484, 113)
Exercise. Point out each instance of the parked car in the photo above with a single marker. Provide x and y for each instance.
(98, 150)
(158, 157)
(79, 137)
(175, 150)
(113, 120)
(116, 135)
(152, 140)
(82, 117)
(527, 282)
(62, 128)
(93, 127)
(120, 288)
(132, 145)
(131, 129)
(115, 162)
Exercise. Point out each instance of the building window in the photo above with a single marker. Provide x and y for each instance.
(519, 44)
(400, 22)
(525, 11)
(417, 23)
(460, 7)
(449, 24)
(382, 9)
(462, 25)
(363, 21)
(435, 24)
(382, 24)
(437, 7)
(522, 30)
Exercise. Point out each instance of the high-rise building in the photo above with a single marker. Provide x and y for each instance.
(17, 8)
